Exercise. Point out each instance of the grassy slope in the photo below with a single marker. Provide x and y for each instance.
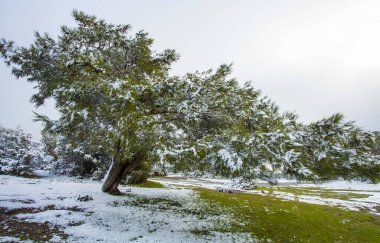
(272, 218)
(267, 217)
(148, 184)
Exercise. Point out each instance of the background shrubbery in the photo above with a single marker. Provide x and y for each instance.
(18, 154)
(58, 155)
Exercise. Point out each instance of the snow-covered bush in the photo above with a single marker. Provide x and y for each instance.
(18, 154)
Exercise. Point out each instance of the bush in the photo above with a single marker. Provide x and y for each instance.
(137, 177)
(18, 154)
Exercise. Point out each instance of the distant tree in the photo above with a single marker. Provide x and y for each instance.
(376, 150)
(114, 92)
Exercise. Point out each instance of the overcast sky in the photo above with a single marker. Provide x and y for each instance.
(312, 57)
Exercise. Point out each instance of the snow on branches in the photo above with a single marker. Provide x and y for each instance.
(115, 93)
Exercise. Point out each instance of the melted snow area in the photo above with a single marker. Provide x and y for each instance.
(370, 200)
(85, 214)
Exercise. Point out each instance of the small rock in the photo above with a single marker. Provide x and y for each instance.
(219, 189)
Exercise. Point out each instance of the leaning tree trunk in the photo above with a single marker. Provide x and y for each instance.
(117, 173)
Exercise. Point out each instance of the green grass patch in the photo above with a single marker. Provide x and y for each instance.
(148, 184)
(268, 217)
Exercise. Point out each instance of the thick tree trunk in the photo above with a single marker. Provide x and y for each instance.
(117, 173)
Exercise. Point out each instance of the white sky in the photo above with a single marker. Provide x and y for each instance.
(312, 57)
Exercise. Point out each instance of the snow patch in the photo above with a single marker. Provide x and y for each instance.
(142, 215)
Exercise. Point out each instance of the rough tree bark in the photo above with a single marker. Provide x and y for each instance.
(117, 173)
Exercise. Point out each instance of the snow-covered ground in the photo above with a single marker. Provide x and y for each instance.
(142, 215)
(172, 214)
(369, 199)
